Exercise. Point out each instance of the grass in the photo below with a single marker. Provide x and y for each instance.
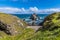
(14, 22)
(23, 36)
(29, 34)
(47, 35)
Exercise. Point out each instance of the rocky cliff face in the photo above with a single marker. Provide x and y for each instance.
(10, 24)
(52, 21)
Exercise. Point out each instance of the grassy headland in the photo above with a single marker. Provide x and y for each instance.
(49, 31)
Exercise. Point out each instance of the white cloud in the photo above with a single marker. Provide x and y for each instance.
(50, 10)
(30, 10)
(34, 9)
(23, 9)
(9, 10)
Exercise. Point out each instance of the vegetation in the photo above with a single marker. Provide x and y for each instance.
(49, 31)
(23, 36)
(52, 21)
(13, 28)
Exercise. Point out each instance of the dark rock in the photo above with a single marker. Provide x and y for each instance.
(11, 25)
(52, 21)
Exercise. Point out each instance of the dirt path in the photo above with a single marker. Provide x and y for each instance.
(34, 27)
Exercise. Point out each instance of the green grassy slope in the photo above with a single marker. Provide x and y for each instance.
(26, 34)
(50, 30)
(17, 25)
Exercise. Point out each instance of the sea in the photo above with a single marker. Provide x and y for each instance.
(27, 16)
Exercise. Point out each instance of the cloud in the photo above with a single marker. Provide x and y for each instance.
(34, 9)
(9, 10)
(12, 10)
(50, 10)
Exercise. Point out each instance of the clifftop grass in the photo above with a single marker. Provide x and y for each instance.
(50, 30)
(15, 26)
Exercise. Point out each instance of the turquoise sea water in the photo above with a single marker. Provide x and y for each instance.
(26, 17)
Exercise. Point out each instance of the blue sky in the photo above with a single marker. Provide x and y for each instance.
(29, 6)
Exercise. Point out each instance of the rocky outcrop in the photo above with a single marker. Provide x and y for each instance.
(52, 21)
(10, 24)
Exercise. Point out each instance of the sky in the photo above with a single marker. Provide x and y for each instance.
(29, 6)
